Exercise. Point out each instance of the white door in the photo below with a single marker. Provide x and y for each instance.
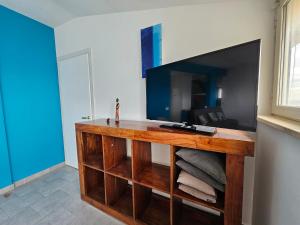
(76, 96)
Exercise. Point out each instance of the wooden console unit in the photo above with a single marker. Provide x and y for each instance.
(126, 187)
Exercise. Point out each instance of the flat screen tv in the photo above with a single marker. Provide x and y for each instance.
(216, 89)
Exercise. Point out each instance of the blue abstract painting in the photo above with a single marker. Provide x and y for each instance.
(151, 48)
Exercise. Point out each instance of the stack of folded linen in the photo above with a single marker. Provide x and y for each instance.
(202, 174)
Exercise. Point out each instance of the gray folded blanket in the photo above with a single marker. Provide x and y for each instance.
(209, 162)
(196, 172)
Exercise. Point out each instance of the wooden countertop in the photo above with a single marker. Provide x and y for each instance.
(224, 141)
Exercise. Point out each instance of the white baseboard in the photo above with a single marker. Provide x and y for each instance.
(30, 178)
(37, 175)
(7, 189)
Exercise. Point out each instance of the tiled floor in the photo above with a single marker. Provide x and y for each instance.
(50, 200)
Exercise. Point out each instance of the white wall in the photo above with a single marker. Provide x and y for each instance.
(187, 31)
(277, 180)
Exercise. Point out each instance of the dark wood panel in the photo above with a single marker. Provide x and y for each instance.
(92, 150)
(141, 153)
(114, 151)
(141, 199)
(172, 182)
(79, 143)
(234, 190)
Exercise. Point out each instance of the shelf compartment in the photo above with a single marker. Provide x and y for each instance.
(184, 214)
(155, 176)
(92, 151)
(122, 170)
(151, 208)
(116, 161)
(146, 172)
(94, 184)
(119, 195)
(175, 170)
(218, 206)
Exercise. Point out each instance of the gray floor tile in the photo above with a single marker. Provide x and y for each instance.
(13, 206)
(3, 216)
(32, 197)
(27, 216)
(53, 199)
(59, 216)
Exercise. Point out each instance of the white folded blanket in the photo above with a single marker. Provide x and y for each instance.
(193, 182)
(197, 194)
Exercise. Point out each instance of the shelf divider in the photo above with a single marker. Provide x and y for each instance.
(116, 161)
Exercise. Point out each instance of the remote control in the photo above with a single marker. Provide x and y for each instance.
(192, 128)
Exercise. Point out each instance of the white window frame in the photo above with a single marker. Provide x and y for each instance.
(277, 109)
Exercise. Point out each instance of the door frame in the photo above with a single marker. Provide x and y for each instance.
(87, 52)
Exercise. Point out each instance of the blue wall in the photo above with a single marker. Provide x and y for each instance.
(5, 173)
(29, 84)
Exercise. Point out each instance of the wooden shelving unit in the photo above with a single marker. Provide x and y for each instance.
(127, 187)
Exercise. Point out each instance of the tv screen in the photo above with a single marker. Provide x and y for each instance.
(216, 89)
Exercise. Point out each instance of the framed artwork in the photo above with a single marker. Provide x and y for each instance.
(151, 48)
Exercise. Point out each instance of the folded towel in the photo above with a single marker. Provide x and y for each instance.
(209, 162)
(197, 194)
(200, 174)
(191, 181)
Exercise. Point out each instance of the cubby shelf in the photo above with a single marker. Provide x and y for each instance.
(157, 212)
(155, 176)
(218, 206)
(151, 208)
(192, 216)
(119, 195)
(94, 184)
(92, 151)
(94, 162)
(97, 195)
(124, 203)
(122, 169)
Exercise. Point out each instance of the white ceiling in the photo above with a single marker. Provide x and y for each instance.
(57, 12)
